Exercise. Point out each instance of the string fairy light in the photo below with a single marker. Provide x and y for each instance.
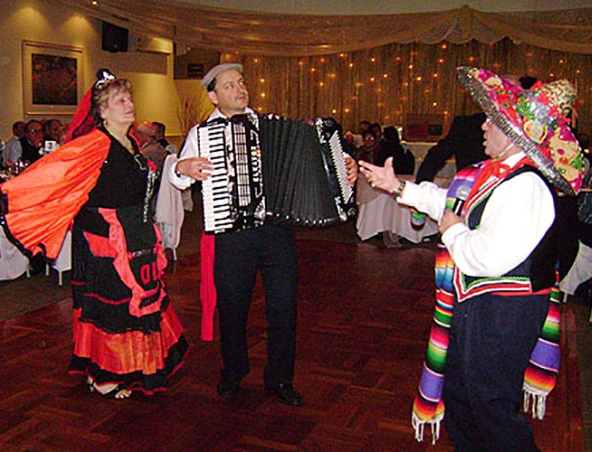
(415, 78)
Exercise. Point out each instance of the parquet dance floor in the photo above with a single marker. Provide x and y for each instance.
(364, 317)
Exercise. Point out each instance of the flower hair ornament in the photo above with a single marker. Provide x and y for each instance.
(537, 120)
(104, 76)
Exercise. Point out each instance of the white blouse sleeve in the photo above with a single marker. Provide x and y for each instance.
(190, 149)
(426, 197)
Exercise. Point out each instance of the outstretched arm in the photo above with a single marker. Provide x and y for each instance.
(381, 177)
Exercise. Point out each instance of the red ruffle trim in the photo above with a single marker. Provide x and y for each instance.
(131, 351)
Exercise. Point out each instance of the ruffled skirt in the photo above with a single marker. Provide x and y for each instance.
(125, 330)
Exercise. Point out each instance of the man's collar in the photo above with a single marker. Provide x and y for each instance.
(514, 159)
(218, 114)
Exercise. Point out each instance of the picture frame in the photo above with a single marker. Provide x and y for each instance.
(53, 78)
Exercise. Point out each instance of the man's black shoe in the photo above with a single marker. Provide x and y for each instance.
(228, 387)
(286, 394)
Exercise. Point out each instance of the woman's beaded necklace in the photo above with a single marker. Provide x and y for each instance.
(124, 141)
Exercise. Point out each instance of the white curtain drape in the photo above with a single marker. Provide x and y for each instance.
(305, 35)
(375, 67)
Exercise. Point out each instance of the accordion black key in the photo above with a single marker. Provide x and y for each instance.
(270, 168)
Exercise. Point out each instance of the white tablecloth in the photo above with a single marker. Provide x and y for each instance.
(419, 149)
(13, 263)
(63, 262)
(169, 208)
(379, 212)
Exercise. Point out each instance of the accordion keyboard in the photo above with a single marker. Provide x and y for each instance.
(217, 211)
(346, 189)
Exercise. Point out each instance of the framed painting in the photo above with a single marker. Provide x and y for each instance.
(52, 78)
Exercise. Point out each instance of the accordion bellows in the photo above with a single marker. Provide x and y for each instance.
(270, 168)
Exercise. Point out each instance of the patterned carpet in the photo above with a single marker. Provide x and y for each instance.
(25, 295)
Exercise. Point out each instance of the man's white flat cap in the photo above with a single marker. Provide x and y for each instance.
(213, 73)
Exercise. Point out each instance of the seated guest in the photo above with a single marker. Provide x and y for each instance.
(377, 129)
(53, 130)
(160, 133)
(355, 138)
(18, 131)
(370, 148)
(363, 126)
(145, 133)
(403, 159)
(28, 148)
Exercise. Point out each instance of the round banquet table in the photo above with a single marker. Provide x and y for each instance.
(379, 212)
(13, 263)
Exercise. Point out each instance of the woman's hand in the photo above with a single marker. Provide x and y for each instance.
(197, 168)
(382, 177)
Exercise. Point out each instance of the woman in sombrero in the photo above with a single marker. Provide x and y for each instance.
(126, 334)
(495, 329)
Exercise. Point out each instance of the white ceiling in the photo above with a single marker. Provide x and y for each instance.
(337, 7)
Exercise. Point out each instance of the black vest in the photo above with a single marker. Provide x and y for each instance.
(540, 266)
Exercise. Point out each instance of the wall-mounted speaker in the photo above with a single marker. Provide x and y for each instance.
(115, 38)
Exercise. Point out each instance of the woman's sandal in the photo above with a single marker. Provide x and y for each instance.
(117, 390)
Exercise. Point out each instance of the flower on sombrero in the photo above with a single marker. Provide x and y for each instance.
(536, 120)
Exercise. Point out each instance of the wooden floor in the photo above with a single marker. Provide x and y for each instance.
(364, 316)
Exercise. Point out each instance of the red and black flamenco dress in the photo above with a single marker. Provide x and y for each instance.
(125, 330)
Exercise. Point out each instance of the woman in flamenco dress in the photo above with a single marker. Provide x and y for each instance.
(126, 334)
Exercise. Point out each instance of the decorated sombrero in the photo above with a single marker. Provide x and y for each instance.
(536, 120)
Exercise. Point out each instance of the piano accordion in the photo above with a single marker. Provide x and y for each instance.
(270, 168)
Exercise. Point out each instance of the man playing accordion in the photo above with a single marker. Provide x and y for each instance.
(236, 254)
